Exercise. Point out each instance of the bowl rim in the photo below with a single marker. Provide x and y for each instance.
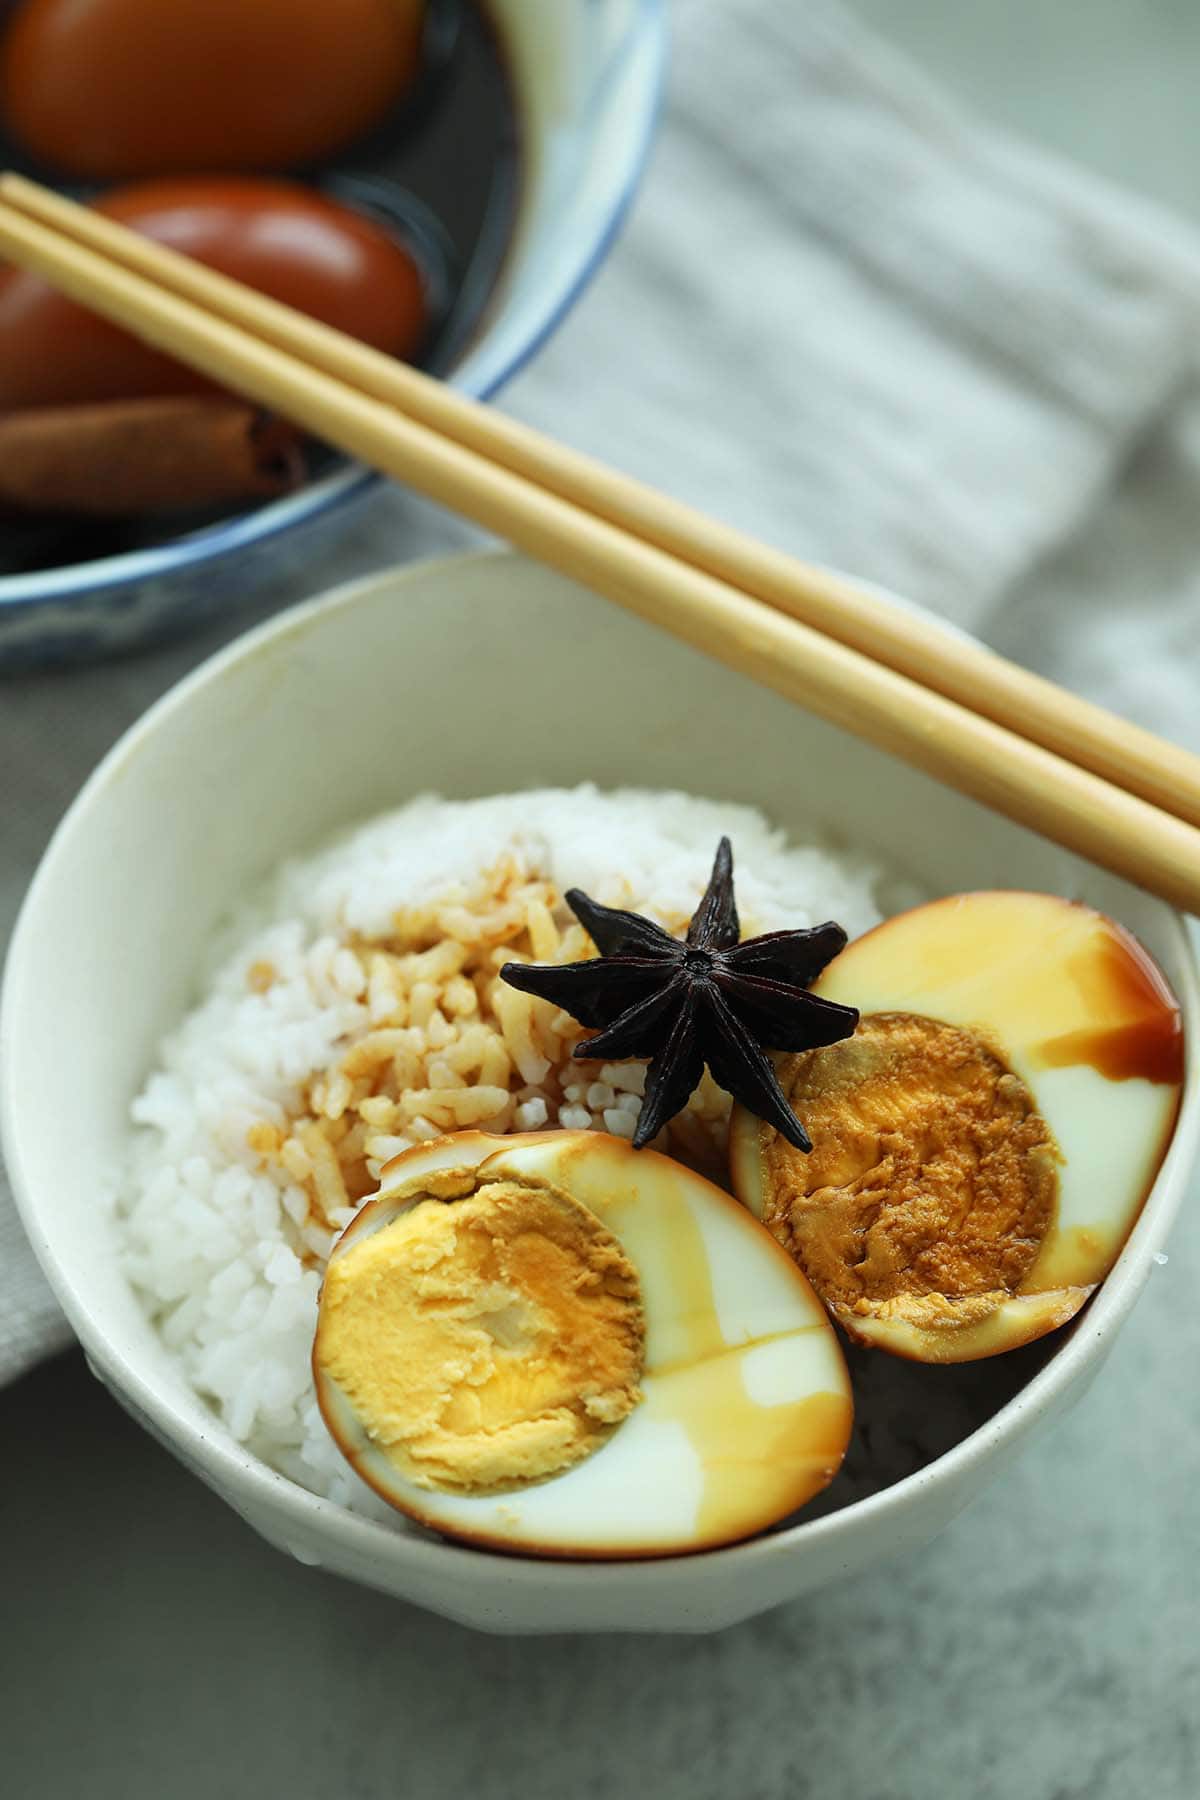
(246, 1482)
(106, 575)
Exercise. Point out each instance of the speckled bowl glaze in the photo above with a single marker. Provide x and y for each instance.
(587, 76)
(337, 710)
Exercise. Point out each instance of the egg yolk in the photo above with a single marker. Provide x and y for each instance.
(485, 1343)
(932, 1181)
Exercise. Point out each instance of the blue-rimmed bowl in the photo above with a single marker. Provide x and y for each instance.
(586, 76)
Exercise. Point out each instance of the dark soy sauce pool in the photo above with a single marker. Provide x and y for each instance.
(907, 1414)
(443, 169)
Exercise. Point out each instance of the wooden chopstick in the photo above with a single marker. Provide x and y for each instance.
(973, 754)
(940, 659)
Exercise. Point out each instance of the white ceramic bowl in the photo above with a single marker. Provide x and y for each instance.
(473, 675)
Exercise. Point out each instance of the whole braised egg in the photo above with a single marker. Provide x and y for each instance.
(105, 90)
(984, 1142)
(556, 1344)
(279, 237)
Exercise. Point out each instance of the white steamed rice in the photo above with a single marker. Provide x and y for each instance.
(219, 1239)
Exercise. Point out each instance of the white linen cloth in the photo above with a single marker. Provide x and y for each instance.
(855, 322)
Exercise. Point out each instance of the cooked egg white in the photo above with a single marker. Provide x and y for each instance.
(557, 1344)
(985, 1141)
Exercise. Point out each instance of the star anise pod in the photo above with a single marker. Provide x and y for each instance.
(708, 999)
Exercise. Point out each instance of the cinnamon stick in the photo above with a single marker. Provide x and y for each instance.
(125, 458)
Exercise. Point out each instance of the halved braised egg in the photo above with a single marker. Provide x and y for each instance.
(984, 1142)
(556, 1344)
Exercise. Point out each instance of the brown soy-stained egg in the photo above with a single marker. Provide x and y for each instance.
(984, 1142)
(558, 1345)
(108, 89)
(284, 240)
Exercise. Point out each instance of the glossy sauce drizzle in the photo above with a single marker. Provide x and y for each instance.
(1142, 1037)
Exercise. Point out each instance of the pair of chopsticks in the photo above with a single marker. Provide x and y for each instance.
(1079, 775)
